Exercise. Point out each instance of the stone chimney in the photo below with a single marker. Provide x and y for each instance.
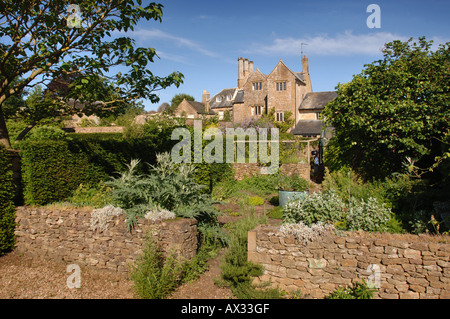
(306, 76)
(245, 68)
(250, 67)
(305, 65)
(205, 100)
(240, 72)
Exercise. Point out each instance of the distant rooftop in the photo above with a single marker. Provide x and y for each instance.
(317, 100)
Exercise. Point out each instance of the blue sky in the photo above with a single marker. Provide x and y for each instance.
(203, 39)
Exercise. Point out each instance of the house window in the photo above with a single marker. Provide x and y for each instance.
(257, 110)
(281, 86)
(317, 115)
(229, 97)
(219, 98)
(280, 116)
(257, 86)
(220, 115)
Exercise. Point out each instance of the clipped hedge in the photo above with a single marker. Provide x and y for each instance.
(7, 209)
(53, 169)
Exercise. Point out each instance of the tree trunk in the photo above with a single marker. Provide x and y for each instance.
(4, 136)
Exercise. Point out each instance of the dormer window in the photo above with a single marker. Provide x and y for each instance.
(219, 98)
(229, 97)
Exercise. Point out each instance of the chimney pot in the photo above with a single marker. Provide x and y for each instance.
(305, 65)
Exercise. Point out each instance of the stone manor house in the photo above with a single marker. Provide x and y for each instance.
(256, 94)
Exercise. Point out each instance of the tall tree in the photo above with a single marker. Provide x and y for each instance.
(395, 112)
(53, 39)
(177, 99)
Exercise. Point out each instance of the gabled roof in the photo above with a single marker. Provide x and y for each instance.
(198, 106)
(298, 75)
(256, 73)
(317, 100)
(222, 99)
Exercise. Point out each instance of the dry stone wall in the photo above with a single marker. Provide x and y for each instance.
(242, 170)
(65, 234)
(402, 267)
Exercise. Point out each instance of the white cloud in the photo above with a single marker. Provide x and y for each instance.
(172, 57)
(345, 43)
(179, 41)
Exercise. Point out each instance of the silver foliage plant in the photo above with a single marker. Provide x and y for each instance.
(169, 186)
(304, 233)
(100, 217)
(369, 215)
(319, 207)
(159, 215)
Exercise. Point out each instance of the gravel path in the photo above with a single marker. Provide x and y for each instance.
(27, 278)
(23, 277)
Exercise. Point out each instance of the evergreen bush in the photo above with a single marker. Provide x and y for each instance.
(53, 167)
(51, 172)
(154, 275)
(237, 271)
(7, 209)
(47, 132)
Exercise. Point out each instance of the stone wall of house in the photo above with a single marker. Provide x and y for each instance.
(243, 111)
(402, 266)
(282, 100)
(242, 170)
(65, 234)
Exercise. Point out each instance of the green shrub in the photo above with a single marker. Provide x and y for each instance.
(345, 183)
(359, 290)
(51, 172)
(276, 213)
(46, 132)
(7, 209)
(96, 196)
(409, 199)
(256, 201)
(154, 275)
(237, 271)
